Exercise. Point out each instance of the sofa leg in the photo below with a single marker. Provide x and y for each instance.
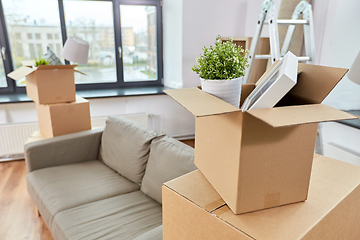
(37, 212)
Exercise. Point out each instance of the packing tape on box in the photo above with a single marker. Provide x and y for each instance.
(272, 200)
(214, 205)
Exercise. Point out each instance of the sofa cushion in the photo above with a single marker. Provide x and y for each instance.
(168, 159)
(154, 234)
(122, 217)
(59, 188)
(125, 147)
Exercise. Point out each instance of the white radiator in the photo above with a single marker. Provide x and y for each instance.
(337, 152)
(13, 136)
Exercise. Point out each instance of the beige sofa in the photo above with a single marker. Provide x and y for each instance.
(105, 183)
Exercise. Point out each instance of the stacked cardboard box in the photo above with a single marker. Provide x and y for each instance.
(261, 158)
(192, 209)
(52, 88)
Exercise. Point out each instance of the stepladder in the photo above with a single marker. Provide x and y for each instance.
(302, 15)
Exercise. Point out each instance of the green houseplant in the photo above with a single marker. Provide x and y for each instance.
(221, 68)
(41, 61)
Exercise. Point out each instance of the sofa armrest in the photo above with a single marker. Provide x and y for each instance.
(66, 149)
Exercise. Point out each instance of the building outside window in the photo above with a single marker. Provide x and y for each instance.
(58, 49)
(32, 51)
(49, 36)
(39, 50)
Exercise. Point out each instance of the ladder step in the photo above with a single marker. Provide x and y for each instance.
(290, 22)
(302, 58)
(262, 56)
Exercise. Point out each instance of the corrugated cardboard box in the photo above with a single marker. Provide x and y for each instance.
(261, 158)
(48, 84)
(64, 118)
(192, 209)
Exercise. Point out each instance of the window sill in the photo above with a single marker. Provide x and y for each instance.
(91, 94)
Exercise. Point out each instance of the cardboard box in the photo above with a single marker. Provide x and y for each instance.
(48, 84)
(261, 158)
(192, 209)
(64, 118)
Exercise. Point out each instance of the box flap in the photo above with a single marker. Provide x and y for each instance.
(296, 115)
(246, 89)
(200, 103)
(20, 73)
(316, 82)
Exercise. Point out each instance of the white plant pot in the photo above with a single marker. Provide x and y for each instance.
(227, 90)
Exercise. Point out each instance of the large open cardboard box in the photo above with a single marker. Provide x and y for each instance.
(48, 84)
(261, 158)
(192, 209)
(64, 118)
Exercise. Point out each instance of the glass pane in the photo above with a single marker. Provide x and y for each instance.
(3, 82)
(29, 25)
(94, 24)
(138, 29)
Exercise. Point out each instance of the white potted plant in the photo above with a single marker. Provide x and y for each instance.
(221, 69)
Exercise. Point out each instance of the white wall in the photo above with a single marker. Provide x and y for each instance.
(203, 21)
(339, 46)
(172, 29)
(191, 24)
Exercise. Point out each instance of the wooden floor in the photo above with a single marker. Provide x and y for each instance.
(190, 142)
(18, 218)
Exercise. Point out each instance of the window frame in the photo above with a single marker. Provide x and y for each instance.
(8, 63)
(120, 83)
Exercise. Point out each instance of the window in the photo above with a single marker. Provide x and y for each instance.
(3, 82)
(124, 38)
(139, 47)
(99, 32)
(23, 16)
